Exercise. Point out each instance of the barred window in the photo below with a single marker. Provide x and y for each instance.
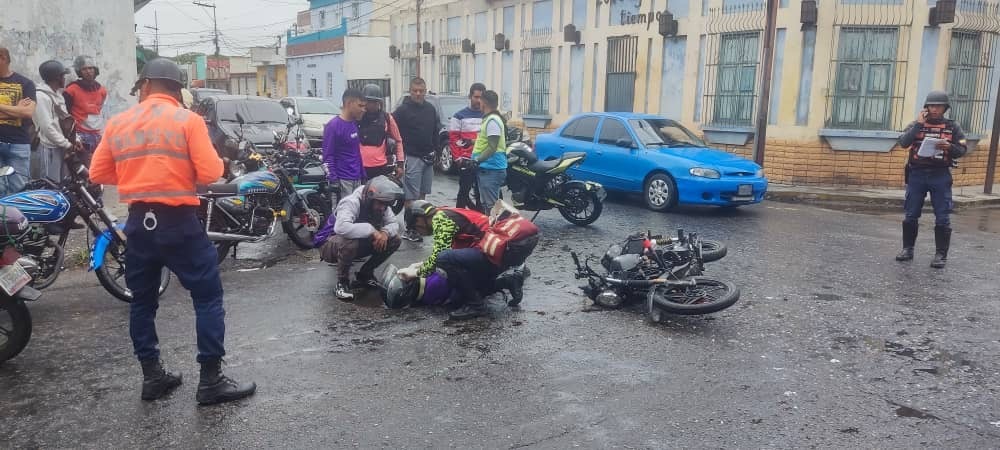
(329, 85)
(535, 76)
(969, 73)
(409, 71)
(451, 75)
(736, 83)
(865, 78)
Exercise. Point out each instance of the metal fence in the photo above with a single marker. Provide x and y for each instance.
(536, 74)
(972, 63)
(734, 49)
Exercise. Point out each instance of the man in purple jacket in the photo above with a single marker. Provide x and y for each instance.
(342, 146)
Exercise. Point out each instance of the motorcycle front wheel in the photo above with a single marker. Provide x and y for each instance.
(50, 264)
(15, 327)
(707, 296)
(582, 208)
(111, 274)
(712, 250)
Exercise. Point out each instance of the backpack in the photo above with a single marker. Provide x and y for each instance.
(510, 241)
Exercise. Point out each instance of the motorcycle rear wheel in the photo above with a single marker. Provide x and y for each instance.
(15, 327)
(111, 274)
(708, 296)
(582, 206)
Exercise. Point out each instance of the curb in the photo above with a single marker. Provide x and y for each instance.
(856, 199)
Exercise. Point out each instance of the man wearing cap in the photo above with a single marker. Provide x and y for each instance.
(928, 169)
(49, 115)
(156, 153)
(85, 99)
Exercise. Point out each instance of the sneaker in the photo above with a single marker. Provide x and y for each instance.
(413, 236)
(343, 291)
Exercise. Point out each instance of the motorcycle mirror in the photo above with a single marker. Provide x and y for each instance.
(239, 119)
(6, 171)
(291, 111)
(506, 115)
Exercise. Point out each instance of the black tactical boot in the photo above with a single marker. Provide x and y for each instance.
(909, 240)
(218, 388)
(942, 241)
(157, 382)
(513, 283)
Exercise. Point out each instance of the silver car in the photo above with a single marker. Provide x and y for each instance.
(315, 113)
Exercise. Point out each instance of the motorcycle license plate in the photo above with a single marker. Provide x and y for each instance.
(745, 190)
(13, 278)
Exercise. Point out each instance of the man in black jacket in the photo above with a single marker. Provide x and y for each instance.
(419, 125)
(928, 169)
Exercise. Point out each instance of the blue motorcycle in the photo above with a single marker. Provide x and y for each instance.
(51, 210)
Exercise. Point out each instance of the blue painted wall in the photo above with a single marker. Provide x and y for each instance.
(672, 86)
(779, 62)
(805, 77)
(576, 53)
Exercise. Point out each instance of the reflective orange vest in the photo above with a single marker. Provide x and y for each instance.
(156, 152)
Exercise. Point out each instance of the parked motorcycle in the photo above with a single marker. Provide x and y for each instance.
(51, 209)
(666, 273)
(15, 318)
(542, 185)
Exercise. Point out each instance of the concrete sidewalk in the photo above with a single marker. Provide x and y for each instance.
(964, 197)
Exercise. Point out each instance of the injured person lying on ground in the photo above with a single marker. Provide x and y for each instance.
(402, 288)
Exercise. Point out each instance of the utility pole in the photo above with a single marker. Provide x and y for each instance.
(156, 33)
(760, 135)
(991, 162)
(215, 24)
(420, 49)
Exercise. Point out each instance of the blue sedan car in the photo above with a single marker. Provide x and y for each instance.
(656, 157)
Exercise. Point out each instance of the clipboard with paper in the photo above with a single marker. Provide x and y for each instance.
(928, 149)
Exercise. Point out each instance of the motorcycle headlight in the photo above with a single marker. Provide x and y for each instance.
(705, 173)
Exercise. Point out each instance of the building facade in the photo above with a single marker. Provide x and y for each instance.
(242, 76)
(272, 75)
(338, 44)
(849, 75)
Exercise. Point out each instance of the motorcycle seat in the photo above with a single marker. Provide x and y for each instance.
(219, 190)
(528, 157)
(545, 166)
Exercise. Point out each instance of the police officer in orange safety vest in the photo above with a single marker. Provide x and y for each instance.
(156, 153)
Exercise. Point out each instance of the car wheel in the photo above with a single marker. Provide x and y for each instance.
(660, 192)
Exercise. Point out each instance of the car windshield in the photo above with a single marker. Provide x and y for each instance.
(450, 106)
(317, 106)
(666, 133)
(253, 111)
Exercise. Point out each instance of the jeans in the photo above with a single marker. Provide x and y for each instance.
(90, 142)
(466, 180)
(178, 243)
(470, 274)
(489, 187)
(938, 182)
(18, 157)
(51, 162)
(344, 251)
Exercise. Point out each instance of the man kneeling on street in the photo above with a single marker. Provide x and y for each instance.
(362, 225)
(471, 273)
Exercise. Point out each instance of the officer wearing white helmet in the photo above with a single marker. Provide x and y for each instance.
(934, 144)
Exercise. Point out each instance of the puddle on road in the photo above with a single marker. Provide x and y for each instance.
(986, 219)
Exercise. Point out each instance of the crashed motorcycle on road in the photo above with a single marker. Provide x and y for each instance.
(667, 273)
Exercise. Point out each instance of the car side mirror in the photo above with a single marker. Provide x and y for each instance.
(239, 119)
(624, 143)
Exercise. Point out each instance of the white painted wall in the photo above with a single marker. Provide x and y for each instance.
(36, 31)
(367, 58)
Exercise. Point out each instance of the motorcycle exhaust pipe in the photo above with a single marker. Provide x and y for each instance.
(216, 236)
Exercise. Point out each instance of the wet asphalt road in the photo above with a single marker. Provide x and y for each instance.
(833, 344)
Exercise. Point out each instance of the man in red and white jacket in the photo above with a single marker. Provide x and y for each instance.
(463, 128)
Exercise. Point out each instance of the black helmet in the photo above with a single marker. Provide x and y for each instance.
(937, 98)
(161, 69)
(51, 70)
(82, 62)
(372, 92)
(419, 208)
(383, 189)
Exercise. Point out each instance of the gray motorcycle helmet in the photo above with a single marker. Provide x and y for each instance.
(161, 69)
(372, 92)
(81, 62)
(937, 98)
(396, 293)
(383, 189)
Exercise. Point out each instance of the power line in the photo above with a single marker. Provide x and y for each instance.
(215, 23)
